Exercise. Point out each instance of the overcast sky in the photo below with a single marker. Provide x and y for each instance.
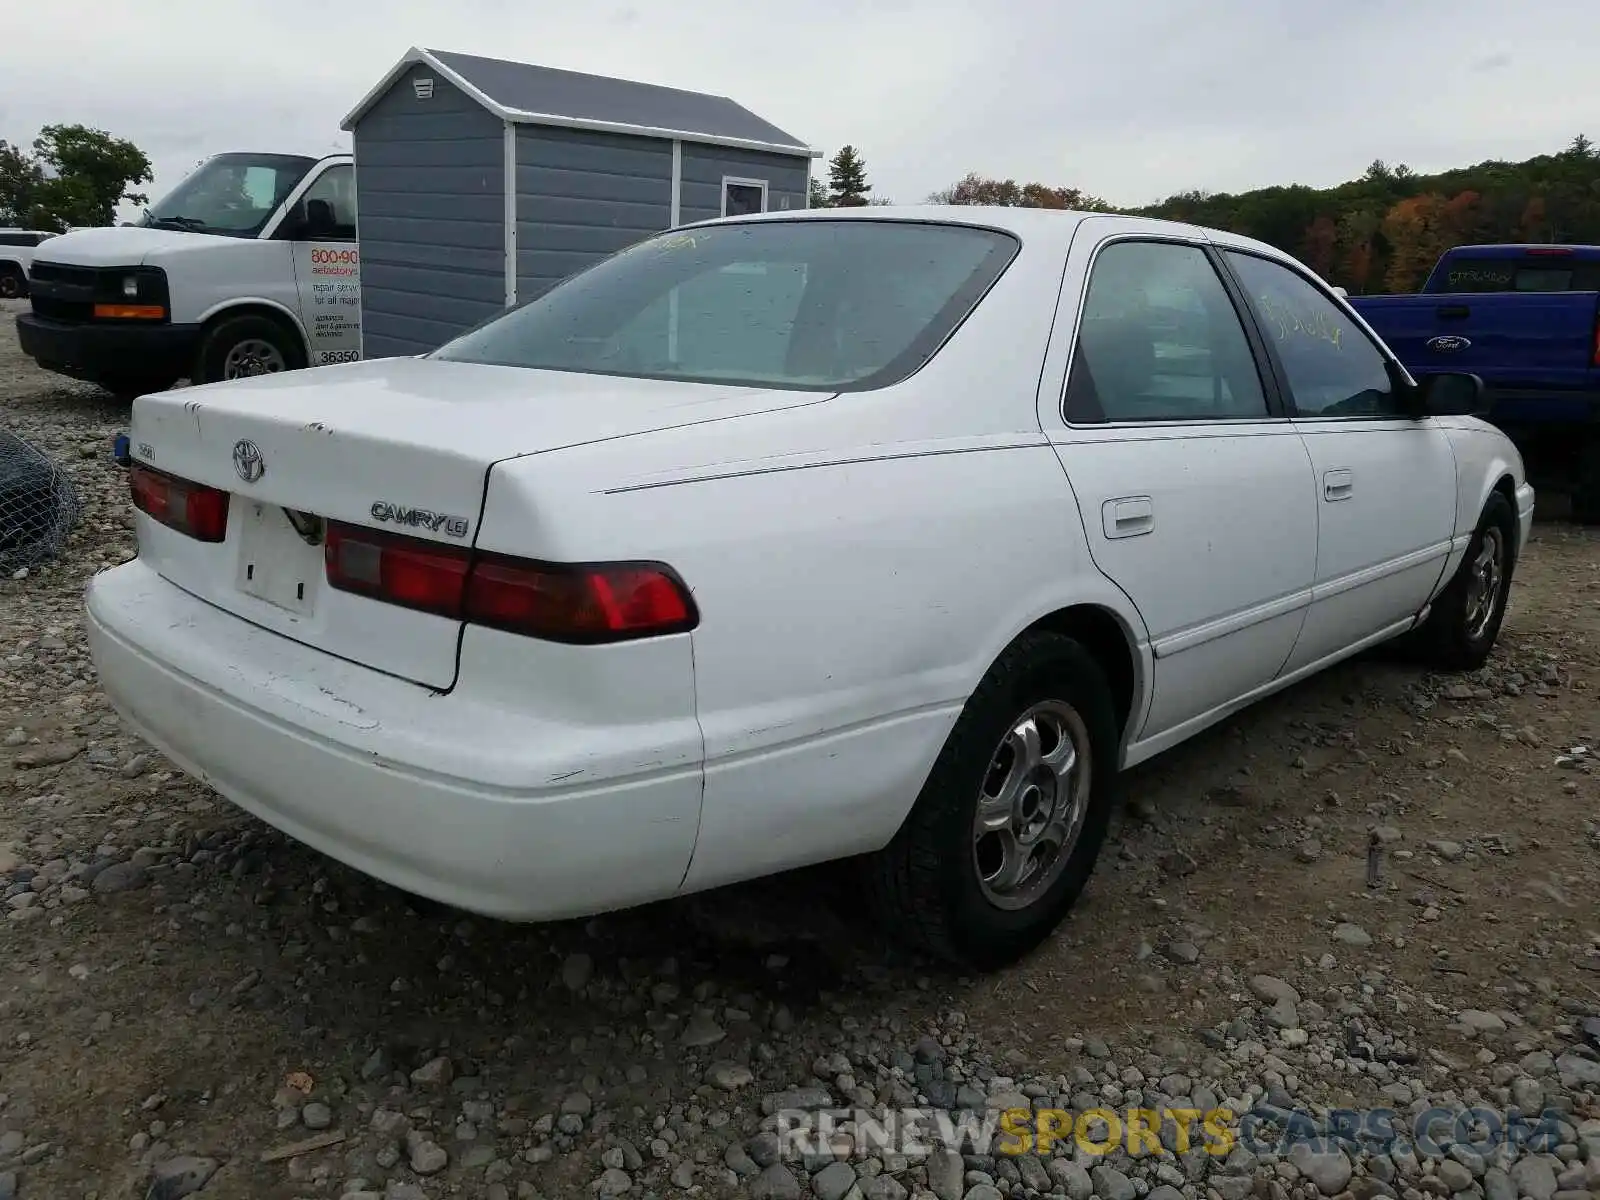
(1131, 100)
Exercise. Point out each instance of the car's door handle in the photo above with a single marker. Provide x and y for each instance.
(1338, 484)
(1128, 516)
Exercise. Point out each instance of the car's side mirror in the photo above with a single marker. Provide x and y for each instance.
(1452, 394)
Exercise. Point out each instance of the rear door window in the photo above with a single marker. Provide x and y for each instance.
(1159, 340)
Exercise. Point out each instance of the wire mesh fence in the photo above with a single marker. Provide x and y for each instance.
(38, 505)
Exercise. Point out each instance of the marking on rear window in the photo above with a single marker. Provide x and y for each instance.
(419, 518)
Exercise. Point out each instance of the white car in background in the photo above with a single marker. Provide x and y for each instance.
(892, 532)
(17, 247)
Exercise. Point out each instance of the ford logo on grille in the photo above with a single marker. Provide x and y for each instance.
(1448, 343)
(247, 460)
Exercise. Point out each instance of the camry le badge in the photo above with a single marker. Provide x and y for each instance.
(1448, 343)
(247, 460)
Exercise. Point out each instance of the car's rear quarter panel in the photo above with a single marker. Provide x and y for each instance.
(850, 601)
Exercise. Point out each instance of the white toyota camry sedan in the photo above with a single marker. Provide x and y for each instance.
(890, 534)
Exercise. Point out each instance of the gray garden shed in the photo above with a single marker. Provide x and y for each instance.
(481, 183)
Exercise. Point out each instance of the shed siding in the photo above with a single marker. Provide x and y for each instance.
(582, 196)
(705, 166)
(430, 197)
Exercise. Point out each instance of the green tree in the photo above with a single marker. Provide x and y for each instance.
(74, 176)
(818, 192)
(1008, 193)
(847, 180)
(21, 178)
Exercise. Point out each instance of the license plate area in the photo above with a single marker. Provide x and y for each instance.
(276, 564)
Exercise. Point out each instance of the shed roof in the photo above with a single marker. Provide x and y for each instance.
(531, 95)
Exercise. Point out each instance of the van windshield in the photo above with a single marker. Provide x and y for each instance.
(814, 304)
(231, 194)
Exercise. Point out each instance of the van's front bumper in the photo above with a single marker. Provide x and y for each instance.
(106, 352)
(501, 813)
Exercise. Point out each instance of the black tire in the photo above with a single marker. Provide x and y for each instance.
(271, 344)
(926, 884)
(1586, 485)
(13, 283)
(1458, 635)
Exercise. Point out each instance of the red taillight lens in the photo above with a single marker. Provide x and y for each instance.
(405, 571)
(191, 508)
(588, 603)
(604, 602)
(1596, 359)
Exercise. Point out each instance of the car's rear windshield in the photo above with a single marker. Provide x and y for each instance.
(1533, 273)
(815, 304)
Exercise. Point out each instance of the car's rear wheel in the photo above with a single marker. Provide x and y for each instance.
(1007, 828)
(13, 283)
(1465, 620)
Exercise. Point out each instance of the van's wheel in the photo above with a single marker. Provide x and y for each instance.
(1465, 620)
(13, 283)
(1007, 828)
(240, 347)
(1586, 486)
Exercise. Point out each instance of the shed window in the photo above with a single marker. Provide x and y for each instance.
(741, 197)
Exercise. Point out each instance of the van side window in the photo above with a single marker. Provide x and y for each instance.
(331, 205)
(1160, 341)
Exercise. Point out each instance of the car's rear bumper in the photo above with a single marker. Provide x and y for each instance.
(460, 802)
(102, 352)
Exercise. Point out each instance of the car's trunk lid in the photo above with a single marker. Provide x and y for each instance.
(402, 445)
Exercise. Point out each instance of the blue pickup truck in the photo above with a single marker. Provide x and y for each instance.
(1527, 320)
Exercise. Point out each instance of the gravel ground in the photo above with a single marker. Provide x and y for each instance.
(1380, 889)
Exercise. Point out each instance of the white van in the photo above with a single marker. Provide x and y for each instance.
(248, 267)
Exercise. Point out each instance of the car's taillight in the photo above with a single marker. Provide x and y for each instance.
(190, 508)
(1596, 359)
(405, 571)
(583, 603)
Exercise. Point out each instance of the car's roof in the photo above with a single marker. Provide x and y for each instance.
(1052, 228)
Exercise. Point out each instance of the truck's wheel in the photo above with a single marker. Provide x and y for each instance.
(1586, 487)
(1011, 819)
(13, 283)
(240, 347)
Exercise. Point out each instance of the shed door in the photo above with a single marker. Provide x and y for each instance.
(741, 197)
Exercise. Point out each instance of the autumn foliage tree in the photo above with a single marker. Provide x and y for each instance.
(1386, 230)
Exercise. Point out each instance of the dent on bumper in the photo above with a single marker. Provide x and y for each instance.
(450, 800)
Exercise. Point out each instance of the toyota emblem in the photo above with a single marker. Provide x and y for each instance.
(247, 460)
